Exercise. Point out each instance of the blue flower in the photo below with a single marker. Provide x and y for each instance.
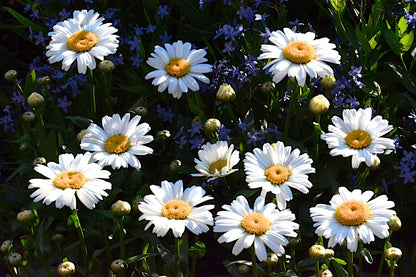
(150, 28)
(165, 113)
(407, 175)
(134, 44)
(197, 142)
(228, 47)
(64, 104)
(223, 133)
(165, 38)
(411, 19)
(163, 10)
(136, 61)
(196, 129)
(248, 14)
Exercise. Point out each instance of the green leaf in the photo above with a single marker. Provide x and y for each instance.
(25, 21)
(401, 26)
(338, 267)
(362, 40)
(392, 41)
(197, 250)
(27, 242)
(73, 219)
(195, 104)
(367, 255)
(29, 83)
(406, 42)
(140, 257)
(80, 121)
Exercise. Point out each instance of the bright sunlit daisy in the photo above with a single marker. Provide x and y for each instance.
(118, 142)
(297, 55)
(82, 38)
(359, 136)
(352, 216)
(170, 207)
(72, 175)
(178, 68)
(216, 160)
(262, 226)
(276, 169)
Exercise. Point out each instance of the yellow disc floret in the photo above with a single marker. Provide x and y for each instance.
(352, 213)
(81, 41)
(299, 52)
(217, 166)
(255, 223)
(277, 174)
(70, 179)
(176, 209)
(177, 67)
(358, 139)
(117, 144)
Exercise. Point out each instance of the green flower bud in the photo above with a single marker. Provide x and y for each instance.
(43, 81)
(106, 66)
(35, 100)
(267, 87)
(272, 259)
(175, 164)
(225, 93)
(118, 266)
(317, 252)
(243, 269)
(10, 75)
(393, 253)
(140, 110)
(25, 216)
(319, 104)
(38, 160)
(6, 246)
(163, 133)
(395, 223)
(329, 82)
(66, 269)
(121, 208)
(212, 125)
(28, 116)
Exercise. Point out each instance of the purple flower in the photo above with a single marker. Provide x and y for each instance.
(223, 133)
(163, 10)
(64, 103)
(197, 142)
(407, 175)
(165, 37)
(411, 19)
(228, 47)
(150, 28)
(166, 114)
(136, 61)
(134, 44)
(248, 14)
(255, 137)
(182, 141)
(18, 98)
(138, 30)
(242, 125)
(352, 102)
(196, 129)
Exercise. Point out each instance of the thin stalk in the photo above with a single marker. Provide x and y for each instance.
(105, 234)
(84, 249)
(350, 264)
(92, 88)
(317, 267)
(177, 255)
(293, 101)
(381, 264)
(317, 139)
(193, 266)
(120, 227)
(39, 254)
(360, 259)
(145, 265)
(254, 261)
(393, 263)
(293, 258)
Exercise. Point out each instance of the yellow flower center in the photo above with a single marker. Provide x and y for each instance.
(70, 179)
(255, 223)
(81, 41)
(177, 67)
(176, 209)
(217, 165)
(358, 139)
(117, 144)
(277, 174)
(352, 213)
(299, 52)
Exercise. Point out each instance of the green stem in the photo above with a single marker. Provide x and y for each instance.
(39, 254)
(360, 259)
(317, 138)
(293, 258)
(145, 264)
(254, 261)
(293, 101)
(177, 255)
(317, 267)
(193, 266)
(350, 264)
(381, 264)
(106, 243)
(92, 87)
(393, 263)
(84, 249)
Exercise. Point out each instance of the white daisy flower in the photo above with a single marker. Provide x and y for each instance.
(359, 136)
(276, 169)
(82, 38)
(352, 216)
(216, 160)
(298, 55)
(262, 226)
(169, 207)
(118, 142)
(178, 68)
(71, 176)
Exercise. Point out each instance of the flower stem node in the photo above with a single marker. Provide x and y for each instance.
(106, 66)
(43, 81)
(15, 259)
(28, 116)
(35, 100)
(10, 75)
(25, 216)
(6, 246)
(120, 208)
(225, 93)
(267, 87)
(118, 266)
(317, 252)
(393, 253)
(395, 223)
(329, 82)
(319, 104)
(38, 160)
(212, 125)
(66, 269)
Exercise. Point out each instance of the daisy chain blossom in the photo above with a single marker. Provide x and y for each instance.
(261, 226)
(359, 136)
(71, 176)
(178, 68)
(276, 169)
(118, 142)
(82, 38)
(352, 216)
(298, 55)
(172, 208)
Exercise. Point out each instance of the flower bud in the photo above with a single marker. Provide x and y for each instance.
(377, 162)
(196, 120)
(212, 125)
(292, 241)
(225, 93)
(393, 253)
(329, 253)
(10, 75)
(325, 273)
(243, 269)
(272, 259)
(118, 266)
(38, 160)
(28, 116)
(43, 81)
(15, 259)
(6, 246)
(175, 164)
(163, 133)
(121, 208)
(81, 134)
(25, 216)
(34, 100)
(317, 252)
(329, 82)
(319, 104)
(267, 87)
(395, 223)
(66, 269)
(106, 66)
(140, 110)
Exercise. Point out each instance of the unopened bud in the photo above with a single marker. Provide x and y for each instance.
(329, 253)
(6, 246)
(212, 125)
(325, 273)
(377, 162)
(43, 81)
(35, 100)
(38, 160)
(66, 269)
(121, 208)
(317, 252)
(175, 164)
(15, 259)
(140, 110)
(28, 116)
(196, 120)
(393, 253)
(395, 223)
(319, 104)
(267, 87)
(329, 82)
(272, 259)
(10, 75)
(243, 269)
(163, 133)
(82, 134)
(118, 266)
(106, 66)
(225, 93)
(292, 241)
(25, 216)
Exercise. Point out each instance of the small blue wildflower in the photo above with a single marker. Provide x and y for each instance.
(110, 13)
(223, 133)
(250, 65)
(163, 10)
(116, 59)
(50, 22)
(338, 101)
(266, 35)
(35, 14)
(242, 125)
(197, 142)
(228, 47)
(165, 37)
(273, 130)
(352, 102)
(136, 61)
(295, 24)
(40, 39)
(285, 98)
(64, 14)
(411, 19)
(196, 129)
(27, 8)
(181, 141)
(165, 113)
(412, 116)
(397, 145)
(203, 2)
(8, 119)
(18, 98)
(248, 14)
(64, 104)
(138, 30)
(255, 137)
(150, 28)
(407, 175)
(134, 44)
